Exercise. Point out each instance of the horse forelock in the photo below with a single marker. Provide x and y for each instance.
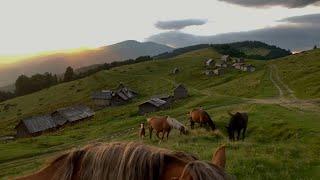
(199, 170)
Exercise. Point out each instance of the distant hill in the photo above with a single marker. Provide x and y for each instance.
(57, 63)
(246, 49)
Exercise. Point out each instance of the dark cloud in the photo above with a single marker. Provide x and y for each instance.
(297, 36)
(269, 3)
(179, 24)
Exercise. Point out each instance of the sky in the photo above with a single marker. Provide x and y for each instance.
(34, 26)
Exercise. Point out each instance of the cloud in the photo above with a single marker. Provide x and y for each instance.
(300, 33)
(179, 24)
(269, 3)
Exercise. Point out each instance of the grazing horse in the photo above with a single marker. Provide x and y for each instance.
(134, 161)
(202, 117)
(165, 124)
(238, 122)
(160, 124)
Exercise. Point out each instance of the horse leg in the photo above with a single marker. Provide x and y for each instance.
(238, 137)
(191, 124)
(168, 134)
(243, 133)
(163, 133)
(232, 136)
(158, 134)
(150, 131)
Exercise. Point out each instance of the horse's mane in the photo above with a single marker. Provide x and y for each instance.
(132, 161)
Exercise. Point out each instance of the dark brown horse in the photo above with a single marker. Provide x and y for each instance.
(131, 161)
(202, 117)
(238, 122)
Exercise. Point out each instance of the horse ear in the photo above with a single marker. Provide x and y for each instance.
(219, 157)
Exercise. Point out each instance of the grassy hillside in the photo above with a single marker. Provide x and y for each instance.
(282, 141)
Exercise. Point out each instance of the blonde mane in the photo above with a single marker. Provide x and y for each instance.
(126, 161)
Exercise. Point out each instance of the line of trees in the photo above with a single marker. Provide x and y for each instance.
(26, 85)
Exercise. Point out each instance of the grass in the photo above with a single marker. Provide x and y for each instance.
(281, 143)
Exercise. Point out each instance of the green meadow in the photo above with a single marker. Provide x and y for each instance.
(282, 140)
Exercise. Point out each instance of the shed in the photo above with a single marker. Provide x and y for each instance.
(35, 125)
(180, 92)
(225, 58)
(102, 98)
(72, 114)
(238, 65)
(218, 71)
(152, 105)
(221, 64)
(123, 95)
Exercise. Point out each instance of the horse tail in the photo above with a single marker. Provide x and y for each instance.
(210, 122)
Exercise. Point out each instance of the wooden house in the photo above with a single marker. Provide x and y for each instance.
(102, 98)
(238, 65)
(152, 105)
(221, 64)
(72, 114)
(34, 126)
(180, 92)
(226, 58)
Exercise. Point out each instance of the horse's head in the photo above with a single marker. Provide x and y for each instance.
(184, 130)
(180, 169)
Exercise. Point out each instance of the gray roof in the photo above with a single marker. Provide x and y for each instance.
(39, 123)
(209, 61)
(181, 86)
(105, 94)
(225, 57)
(125, 93)
(75, 113)
(156, 102)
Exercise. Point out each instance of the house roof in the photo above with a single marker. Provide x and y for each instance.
(225, 57)
(104, 94)
(75, 113)
(180, 86)
(125, 93)
(209, 61)
(39, 123)
(155, 102)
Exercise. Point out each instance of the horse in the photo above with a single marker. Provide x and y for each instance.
(238, 122)
(160, 124)
(177, 125)
(165, 124)
(131, 160)
(202, 117)
(142, 131)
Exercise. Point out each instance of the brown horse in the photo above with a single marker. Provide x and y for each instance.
(202, 117)
(131, 161)
(238, 122)
(160, 124)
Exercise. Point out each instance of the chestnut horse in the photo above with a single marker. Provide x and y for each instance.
(131, 161)
(165, 124)
(202, 117)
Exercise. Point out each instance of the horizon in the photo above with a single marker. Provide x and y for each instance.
(42, 30)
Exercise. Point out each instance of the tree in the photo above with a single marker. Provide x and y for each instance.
(315, 47)
(69, 74)
(23, 85)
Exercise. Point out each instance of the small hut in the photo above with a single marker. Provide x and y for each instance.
(34, 126)
(180, 92)
(153, 105)
(225, 58)
(238, 65)
(218, 72)
(102, 98)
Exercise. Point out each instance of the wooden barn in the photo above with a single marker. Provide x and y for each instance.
(102, 98)
(34, 126)
(72, 114)
(238, 65)
(180, 92)
(153, 105)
